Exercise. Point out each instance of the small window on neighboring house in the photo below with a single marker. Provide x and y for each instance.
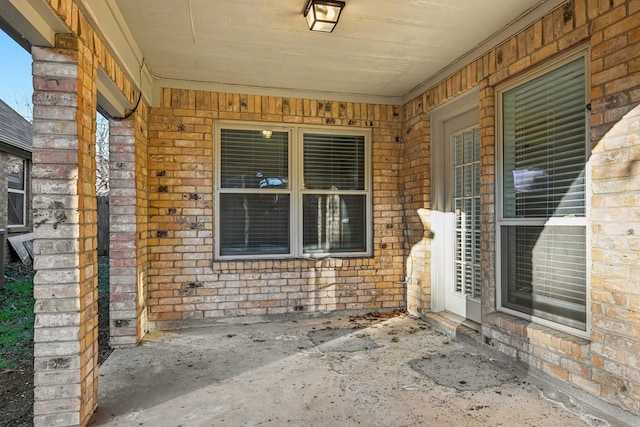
(543, 216)
(292, 192)
(16, 189)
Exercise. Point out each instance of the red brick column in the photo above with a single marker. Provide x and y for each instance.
(65, 231)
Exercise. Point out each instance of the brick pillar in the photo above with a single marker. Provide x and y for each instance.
(127, 212)
(65, 231)
(487, 198)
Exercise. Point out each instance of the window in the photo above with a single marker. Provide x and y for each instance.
(292, 192)
(466, 205)
(542, 220)
(16, 189)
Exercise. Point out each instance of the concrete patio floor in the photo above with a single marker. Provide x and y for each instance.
(323, 371)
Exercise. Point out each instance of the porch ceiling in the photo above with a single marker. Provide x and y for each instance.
(382, 51)
(380, 48)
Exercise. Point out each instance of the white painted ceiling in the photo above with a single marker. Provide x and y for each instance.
(380, 48)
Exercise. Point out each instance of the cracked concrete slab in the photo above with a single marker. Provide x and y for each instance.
(339, 371)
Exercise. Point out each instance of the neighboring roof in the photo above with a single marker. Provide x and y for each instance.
(15, 131)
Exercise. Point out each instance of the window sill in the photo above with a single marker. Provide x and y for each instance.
(18, 230)
(305, 257)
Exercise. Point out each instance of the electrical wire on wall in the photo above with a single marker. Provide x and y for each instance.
(135, 107)
(406, 245)
(126, 116)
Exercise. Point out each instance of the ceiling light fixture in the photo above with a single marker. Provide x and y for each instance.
(323, 15)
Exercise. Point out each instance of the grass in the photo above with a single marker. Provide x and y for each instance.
(16, 314)
(16, 322)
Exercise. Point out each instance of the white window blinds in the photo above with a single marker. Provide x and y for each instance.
(335, 199)
(254, 197)
(544, 145)
(292, 192)
(248, 159)
(466, 205)
(333, 162)
(546, 272)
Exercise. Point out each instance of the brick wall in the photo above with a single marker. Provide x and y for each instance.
(416, 186)
(65, 218)
(607, 364)
(128, 220)
(615, 136)
(3, 201)
(186, 282)
(142, 220)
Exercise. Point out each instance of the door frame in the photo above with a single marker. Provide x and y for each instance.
(440, 272)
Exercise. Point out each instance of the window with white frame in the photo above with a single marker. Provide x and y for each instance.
(292, 192)
(543, 216)
(16, 191)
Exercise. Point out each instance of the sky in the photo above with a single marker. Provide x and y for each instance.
(16, 86)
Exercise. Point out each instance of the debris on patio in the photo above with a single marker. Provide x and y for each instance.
(371, 370)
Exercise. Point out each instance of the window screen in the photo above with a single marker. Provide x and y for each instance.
(543, 229)
(254, 209)
(292, 193)
(545, 268)
(335, 200)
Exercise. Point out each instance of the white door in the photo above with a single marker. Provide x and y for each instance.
(462, 225)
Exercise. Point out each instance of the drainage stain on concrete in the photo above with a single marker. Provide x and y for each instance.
(347, 340)
(322, 336)
(464, 371)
